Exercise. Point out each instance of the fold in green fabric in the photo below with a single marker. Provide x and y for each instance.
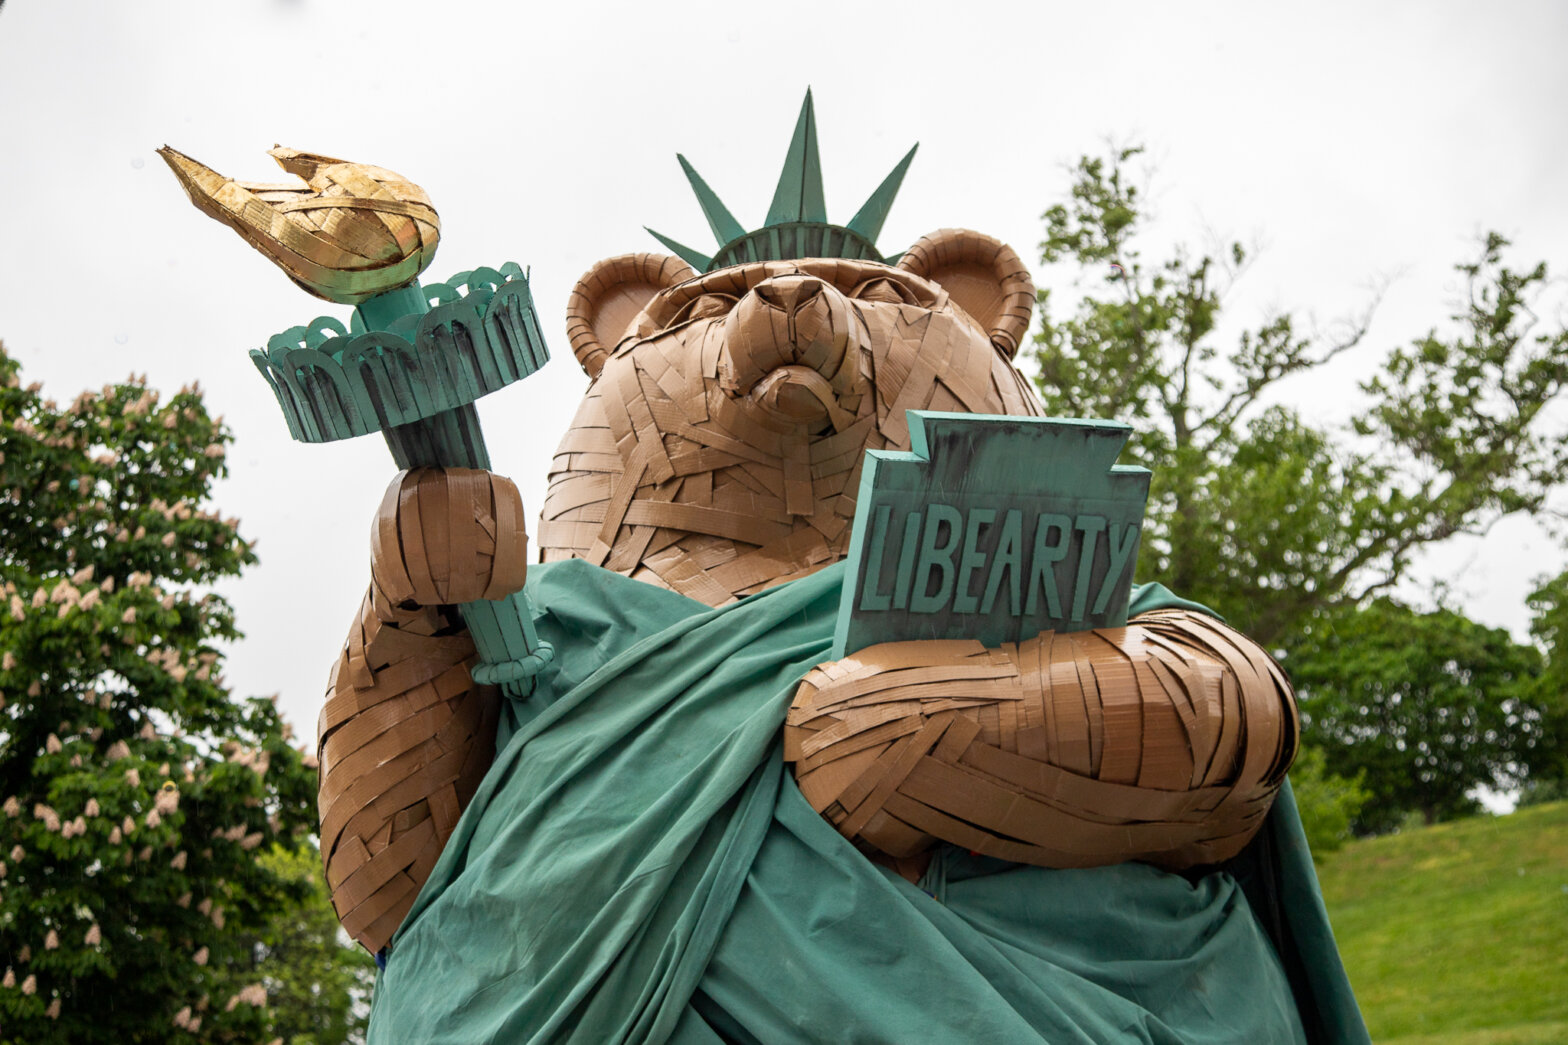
(639, 866)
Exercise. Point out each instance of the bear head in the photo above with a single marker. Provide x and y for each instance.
(717, 450)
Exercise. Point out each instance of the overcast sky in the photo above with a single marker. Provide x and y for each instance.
(1355, 141)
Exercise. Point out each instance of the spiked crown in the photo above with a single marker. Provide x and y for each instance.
(797, 225)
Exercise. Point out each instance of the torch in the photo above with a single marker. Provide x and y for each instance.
(413, 359)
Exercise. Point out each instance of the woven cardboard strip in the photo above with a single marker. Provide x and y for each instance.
(1165, 741)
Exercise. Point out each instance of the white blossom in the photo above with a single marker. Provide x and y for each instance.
(255, 994)
(167, 800)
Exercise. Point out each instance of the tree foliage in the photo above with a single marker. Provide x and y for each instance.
(1254, 509)
(137, 794)
(1549, 628)
(1329, 805)
(1422, 707)
(318, 984)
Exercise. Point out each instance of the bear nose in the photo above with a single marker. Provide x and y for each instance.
(788, 293)
(794, 344)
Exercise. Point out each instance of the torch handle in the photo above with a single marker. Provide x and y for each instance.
(510, 650)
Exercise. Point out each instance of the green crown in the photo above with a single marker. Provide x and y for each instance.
(797, 225)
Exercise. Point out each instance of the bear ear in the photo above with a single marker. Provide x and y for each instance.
(609, 297)
(983, 276)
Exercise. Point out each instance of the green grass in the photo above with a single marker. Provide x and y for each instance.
(1458, 934)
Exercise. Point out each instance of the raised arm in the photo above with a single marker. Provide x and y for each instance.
(405, 734)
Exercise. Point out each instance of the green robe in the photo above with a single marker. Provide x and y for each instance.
(639, 866)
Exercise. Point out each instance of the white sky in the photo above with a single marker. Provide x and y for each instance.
(1354, 140)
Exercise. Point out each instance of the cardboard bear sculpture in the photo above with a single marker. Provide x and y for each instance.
(636, 863)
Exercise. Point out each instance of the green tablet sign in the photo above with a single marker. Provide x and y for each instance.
(994, 528)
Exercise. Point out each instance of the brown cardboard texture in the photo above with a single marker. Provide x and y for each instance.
(931, 769)
(405, 735)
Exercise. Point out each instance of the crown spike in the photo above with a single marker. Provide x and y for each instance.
(695, 258)
(798, 197)
(869, 218)
(720, 220)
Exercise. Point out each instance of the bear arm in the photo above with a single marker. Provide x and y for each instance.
(1165, 741)
(405, 738)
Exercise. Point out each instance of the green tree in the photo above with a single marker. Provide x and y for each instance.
(318, 983)
(1549, 628)
(1423, 708)
(1254, 509)
(1329, 805)
(136, 793)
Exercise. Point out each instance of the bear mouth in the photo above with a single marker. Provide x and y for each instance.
(800, 396)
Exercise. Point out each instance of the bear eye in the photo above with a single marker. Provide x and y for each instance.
(889, 291)
(705, 306)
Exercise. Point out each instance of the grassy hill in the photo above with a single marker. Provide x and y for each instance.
(1458, 934)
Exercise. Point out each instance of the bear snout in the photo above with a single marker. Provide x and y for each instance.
(797, 324)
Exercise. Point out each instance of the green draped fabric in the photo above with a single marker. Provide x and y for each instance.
(639, 866)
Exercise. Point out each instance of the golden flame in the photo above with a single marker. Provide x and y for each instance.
(345, 232)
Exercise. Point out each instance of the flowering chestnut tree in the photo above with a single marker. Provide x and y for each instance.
(137, 795)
